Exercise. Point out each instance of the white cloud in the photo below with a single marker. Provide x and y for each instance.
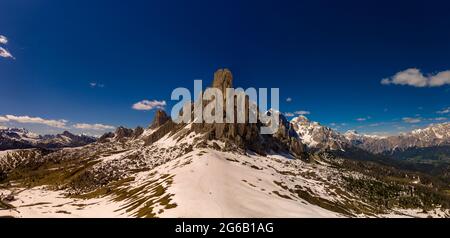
(146, 105)
(288, 99)
(302, 112)
(440, 118)
(289, 114)
(61, 124)
(376, 124)
(5, 54)
(337, 125)
(444, 111)
(413, 77)
(34, 120)
(441, 78)
(3, 40)
(3, 119)
(96, 85)
(363, 118)
(411, 120)
(97, 127)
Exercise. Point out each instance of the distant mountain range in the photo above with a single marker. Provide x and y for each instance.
(19, 138)
(313, 135)
(431, 136)
(318, 137)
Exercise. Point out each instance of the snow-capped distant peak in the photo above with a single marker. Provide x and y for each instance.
(351, 132)
(314, 135)
(14, 138)
(299, 119)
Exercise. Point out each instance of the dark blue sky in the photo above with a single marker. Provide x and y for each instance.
(328, 56)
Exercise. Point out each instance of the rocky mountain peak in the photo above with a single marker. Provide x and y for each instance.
(300, 119)
(122, 132)
(68, 134)
(351, 132)
(15, 130)
(160, 118)
(223, 79)
(247, 135)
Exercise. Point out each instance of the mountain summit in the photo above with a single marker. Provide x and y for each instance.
(160, 118)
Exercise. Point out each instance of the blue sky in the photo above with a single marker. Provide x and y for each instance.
(82, 65)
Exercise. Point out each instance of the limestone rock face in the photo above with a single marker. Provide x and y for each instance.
(122, 132)
(287, 136)
(162, 124)
(160, 118)
(105, 137)
(223, 79)
(138, 131)
(245, 135)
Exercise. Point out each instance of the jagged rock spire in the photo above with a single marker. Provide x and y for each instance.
(223, 79)
(160, 118)
(122, 132)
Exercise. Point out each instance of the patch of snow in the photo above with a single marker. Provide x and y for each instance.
(41, 202)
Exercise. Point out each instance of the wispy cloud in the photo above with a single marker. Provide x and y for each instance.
(96, 85)
(302, 112)
(3, 119)
(95, 127)
(59, 124)
(413, 77)
(376, 124)
(289, 114)
(444, 111)
(440, 118)
(289, 99)
(3, 40)
(361, 119)
(147, 105)
(411, 120)
(5, 53)
(34, 120)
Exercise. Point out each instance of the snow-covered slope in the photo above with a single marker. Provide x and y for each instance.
(171, 178)
(187, 177)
